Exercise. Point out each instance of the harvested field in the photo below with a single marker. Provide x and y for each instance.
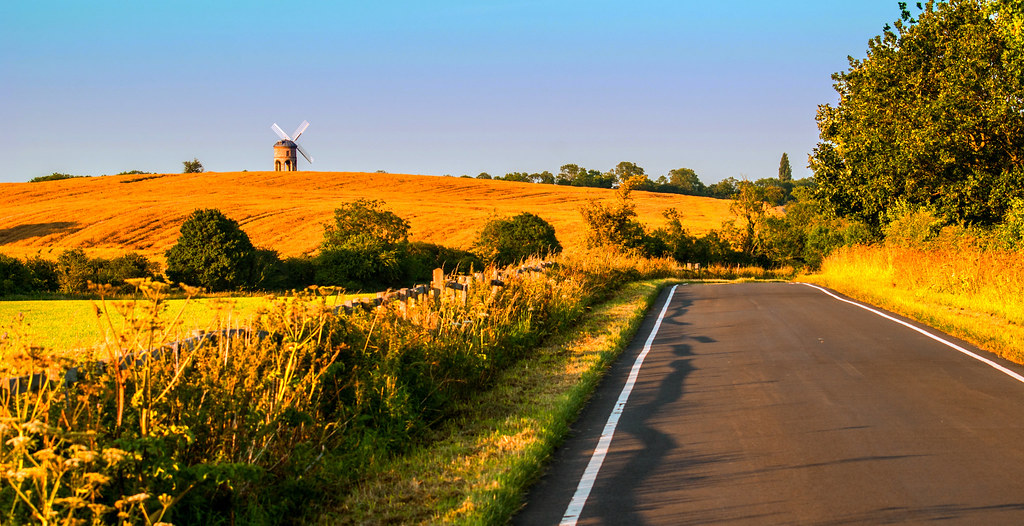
(110, 215)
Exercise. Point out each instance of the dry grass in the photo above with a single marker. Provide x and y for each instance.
(972, 294)
(285, 211)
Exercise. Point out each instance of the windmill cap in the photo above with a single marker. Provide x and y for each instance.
(285, 143)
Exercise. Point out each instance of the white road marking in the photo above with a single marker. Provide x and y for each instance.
(950, 344)
(579, 499)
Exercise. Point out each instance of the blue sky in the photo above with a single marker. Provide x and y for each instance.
(444, 87)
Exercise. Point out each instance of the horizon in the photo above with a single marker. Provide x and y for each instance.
(453, 88)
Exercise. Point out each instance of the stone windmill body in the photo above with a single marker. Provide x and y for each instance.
(285, 158)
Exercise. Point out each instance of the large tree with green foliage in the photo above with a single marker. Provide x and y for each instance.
(933, 117)
(212, 252)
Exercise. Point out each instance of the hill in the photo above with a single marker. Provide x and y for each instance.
(285, 211)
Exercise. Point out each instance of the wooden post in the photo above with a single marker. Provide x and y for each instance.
(464, 293)
(437, 283)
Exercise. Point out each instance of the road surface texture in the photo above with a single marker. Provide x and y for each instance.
(775, 403)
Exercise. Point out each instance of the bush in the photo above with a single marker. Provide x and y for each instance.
(192, 167)
(509, 240)
(15, 276)
(74, 271)
(212, 252)
(55, 176)
(121, 268)
(366, 246)
(425, 257)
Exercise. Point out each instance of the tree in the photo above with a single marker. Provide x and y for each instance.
(193, 166)
(785, 170)
(686, 181)
(627, 170)
(615, 226)
(574, 175)
(365, 246)
(505, 241)
(361, 222)
(212, 252)
(74, 271)
(483, 175)
(932, 116)
(724, 189)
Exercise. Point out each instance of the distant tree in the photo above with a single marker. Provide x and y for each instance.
(193, 166)
(686, 181)
(483, 175)
(212, 252)
(724, 189)
(133, 172)
(785, 170)
(544, 177)
(568, 174)
(520, 177)
(574, 175)
(505, 241)
(55, 176)
(626, 170)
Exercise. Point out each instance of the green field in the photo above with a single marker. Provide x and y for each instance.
(66, 325)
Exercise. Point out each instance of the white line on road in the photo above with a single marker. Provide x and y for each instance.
(579, 499)
(1014, 375)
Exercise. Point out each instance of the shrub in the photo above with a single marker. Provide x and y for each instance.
(365, 246)
(505, 241)
(55, 176)
(74, 271)
(129, 266)
(212, 252)
(44, 274)
(192, 167)
(425, 257)
(15, 276)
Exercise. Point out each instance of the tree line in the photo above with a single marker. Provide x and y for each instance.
(678, 181)
(365, 247)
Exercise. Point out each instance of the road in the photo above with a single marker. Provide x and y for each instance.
(775, 403)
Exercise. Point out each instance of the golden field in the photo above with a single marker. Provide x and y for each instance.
(285, 211)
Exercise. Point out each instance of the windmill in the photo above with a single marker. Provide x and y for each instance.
(284, 150)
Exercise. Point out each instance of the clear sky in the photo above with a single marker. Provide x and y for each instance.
(427, 87)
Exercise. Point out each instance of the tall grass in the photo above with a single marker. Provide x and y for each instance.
(269, 426)
(972, 292)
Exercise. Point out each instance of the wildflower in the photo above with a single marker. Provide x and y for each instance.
(96, 479)
(138, 497)
(72, 502)
(45, 455)
(99, 510)
(34, 426)
(18, 442)
(37, 473)
(86, 455)
(113, 456)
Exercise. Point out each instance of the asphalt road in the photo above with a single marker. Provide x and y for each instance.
(778, 404)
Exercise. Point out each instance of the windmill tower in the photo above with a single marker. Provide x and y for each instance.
(285, 159)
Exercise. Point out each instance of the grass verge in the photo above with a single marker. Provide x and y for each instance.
(477, 466)
(876, 276)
